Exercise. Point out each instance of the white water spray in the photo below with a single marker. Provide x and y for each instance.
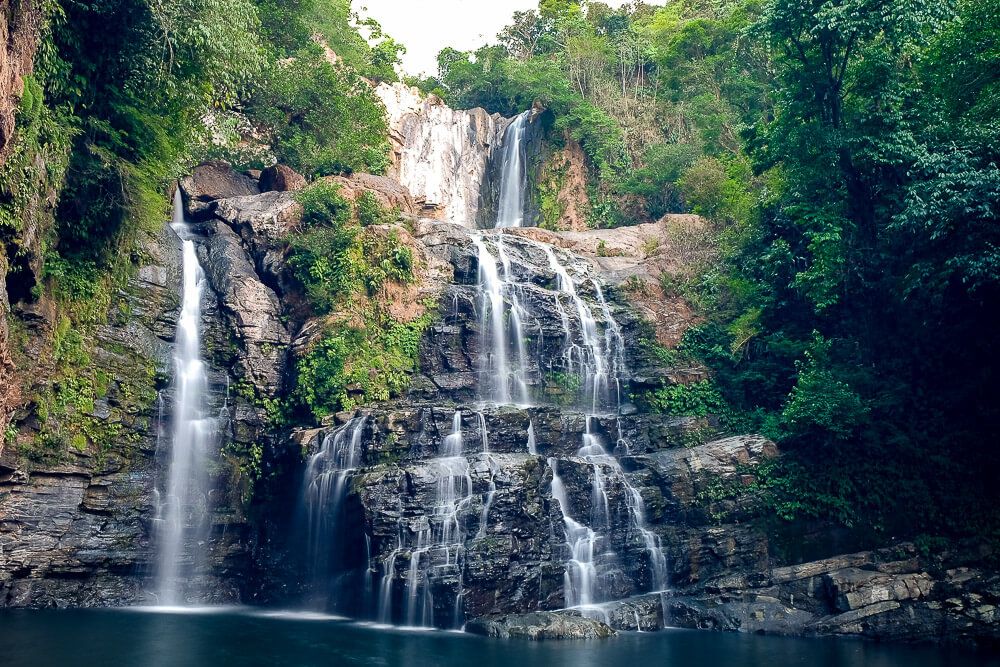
(510, 210)
(184, 512)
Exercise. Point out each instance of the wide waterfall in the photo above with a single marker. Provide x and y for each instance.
(325, 487)
(412, 567)
(183, 512)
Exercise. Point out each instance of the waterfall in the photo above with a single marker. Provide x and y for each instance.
(599, 362)
(501, 380)
(324, 490)
(183, 512)
(437, 550)
(510, 210)
(448, 500)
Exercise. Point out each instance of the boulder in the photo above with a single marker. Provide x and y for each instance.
(281, 178)
(211, 181)
(251, 309)
(540, 625)
(389, 193)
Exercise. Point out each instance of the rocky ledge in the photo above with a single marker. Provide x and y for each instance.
(540, 625)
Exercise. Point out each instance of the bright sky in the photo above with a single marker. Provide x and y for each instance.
(427, 26)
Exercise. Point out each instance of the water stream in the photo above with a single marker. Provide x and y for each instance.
(428, 557)
(183, 512)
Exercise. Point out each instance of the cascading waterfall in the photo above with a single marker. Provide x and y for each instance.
(439, 545)
(600, 363)
(510, 211)
(429, 553)
(324, 490)
(183, 512)
(501, 378)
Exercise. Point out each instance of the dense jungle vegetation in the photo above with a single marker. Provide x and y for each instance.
(845, 152)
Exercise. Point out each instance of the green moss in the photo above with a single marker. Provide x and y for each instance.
(549, 186)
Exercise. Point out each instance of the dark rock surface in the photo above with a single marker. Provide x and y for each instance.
(212, 181)
(78, 529)
(281, 178)
(540, 625)
(887, 594)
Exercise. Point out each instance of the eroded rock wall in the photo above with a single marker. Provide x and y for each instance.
(440, 154)
(20, 23)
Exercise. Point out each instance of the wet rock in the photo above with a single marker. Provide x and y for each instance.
(540, 626)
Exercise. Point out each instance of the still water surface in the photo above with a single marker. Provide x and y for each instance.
(238, 637)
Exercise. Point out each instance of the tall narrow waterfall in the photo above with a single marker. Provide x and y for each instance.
(510, 211)
(183, 517)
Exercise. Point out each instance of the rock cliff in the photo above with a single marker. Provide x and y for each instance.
(440, 154)
(511, 480)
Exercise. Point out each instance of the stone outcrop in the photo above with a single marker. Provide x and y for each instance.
(886, 594)
(439, 154)
(390, 195)
(563, 179)
(251, 308)
(281, 178)
(540, 625)
(211, 181)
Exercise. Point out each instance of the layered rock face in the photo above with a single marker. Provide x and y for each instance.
(440, 154)
(78, 524)
(453, 504)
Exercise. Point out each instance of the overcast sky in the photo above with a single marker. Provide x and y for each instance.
(427, 26)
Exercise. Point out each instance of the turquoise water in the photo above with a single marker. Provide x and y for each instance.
(123, 638)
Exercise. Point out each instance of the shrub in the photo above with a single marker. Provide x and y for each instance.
(323, 204)
(351, 366)
(691, 400)
(371, 211)
(325, 119)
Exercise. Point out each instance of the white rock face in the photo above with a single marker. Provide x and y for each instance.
(440, 152)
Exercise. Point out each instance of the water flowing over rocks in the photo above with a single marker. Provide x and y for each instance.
(516, 477)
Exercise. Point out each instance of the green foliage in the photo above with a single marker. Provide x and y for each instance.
(351, 366)
(699, 399)
(324, 117)
(333, 258)
(291, 24)
(322, 204)
(371, 211)
(36, 163)
(821, 407)
(327, 263)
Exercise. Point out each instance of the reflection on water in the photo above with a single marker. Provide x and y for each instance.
(235, 636)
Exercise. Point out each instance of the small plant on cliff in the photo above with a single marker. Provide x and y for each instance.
(322, 204)
(693, 400)
(371, 211)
